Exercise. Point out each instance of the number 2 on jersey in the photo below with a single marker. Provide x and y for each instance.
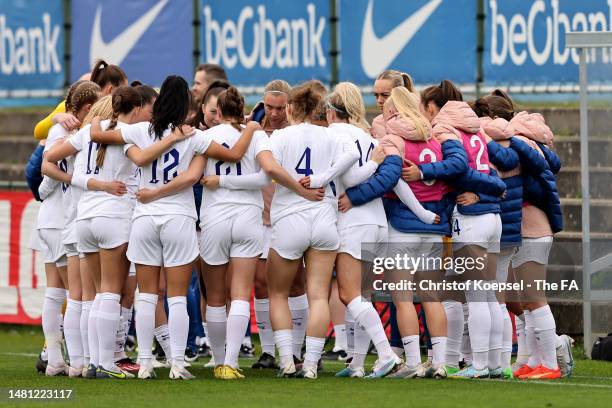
(475, 140)
(305, 162)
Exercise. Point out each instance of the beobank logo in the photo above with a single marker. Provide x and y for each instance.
(255, 39)
(537, 35)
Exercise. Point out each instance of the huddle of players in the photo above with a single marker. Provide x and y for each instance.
(119, 191)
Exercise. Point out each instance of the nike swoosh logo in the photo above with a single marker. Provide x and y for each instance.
(378, 53)
(115, 51)
(119, 375)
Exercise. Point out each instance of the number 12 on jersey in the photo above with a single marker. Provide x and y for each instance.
(171, 162)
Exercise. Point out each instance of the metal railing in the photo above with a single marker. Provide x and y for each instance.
(583, 42)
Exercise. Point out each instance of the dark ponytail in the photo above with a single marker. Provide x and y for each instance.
(125, 99)
(231, 105)
(480, 107)
(441, 94)
(501, 104)
(147, 94)
(171, 107)
(104, 74)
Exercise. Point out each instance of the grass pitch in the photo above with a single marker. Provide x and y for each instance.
(591, 386)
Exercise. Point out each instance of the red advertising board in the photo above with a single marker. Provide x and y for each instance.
(22, 275)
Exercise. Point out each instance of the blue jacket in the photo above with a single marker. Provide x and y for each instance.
(506, 159)
(554, 162)
(540, 185)
(457, 173)
(541, 190)
(33, 173)
(399, 216)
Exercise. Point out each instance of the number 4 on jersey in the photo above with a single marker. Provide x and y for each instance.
(456, 228)
(305, 162)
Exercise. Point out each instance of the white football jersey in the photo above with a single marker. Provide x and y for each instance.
(372, 213)
(51, 213)
(116, 166)
(220, 204)
(304, 150)
(162, 170)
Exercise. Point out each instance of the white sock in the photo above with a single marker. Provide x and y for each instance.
(107, 323)
(340, 341)
(206, 339)
(122, 331)
(522, 354)
(145, 323)
(367, 318)
(411, 349)
(454, 331)
(216, 319)
(52, 311)
(506, 355)
(531, 341)
(362, 344)
(178, 325)
(438, 348)
(283, 340)
(92, 328)
(237, 322)
(314, 349)
(466, 344)
(546, 336)
(298, 306)
(162, 335)
(479, 325)
(262, 316)
(72, 332)
(84, 326)
(496, 335)
(350, 329)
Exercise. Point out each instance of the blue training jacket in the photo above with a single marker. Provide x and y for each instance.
(399, 216)
(489, 187)
(33, 173)
(540, 189)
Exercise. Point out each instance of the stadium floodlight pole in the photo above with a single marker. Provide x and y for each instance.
(584, 41)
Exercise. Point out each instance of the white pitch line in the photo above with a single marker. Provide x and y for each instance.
(589, 377)
(553, 382)
(20, 354)
(569, 384)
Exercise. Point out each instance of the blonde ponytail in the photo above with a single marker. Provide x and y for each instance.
(347, 102)
(407, 106)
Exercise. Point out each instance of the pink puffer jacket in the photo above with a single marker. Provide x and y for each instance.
(532, 126)
(378, 127)
(497, 129)
(455, 116)
(398, 129)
